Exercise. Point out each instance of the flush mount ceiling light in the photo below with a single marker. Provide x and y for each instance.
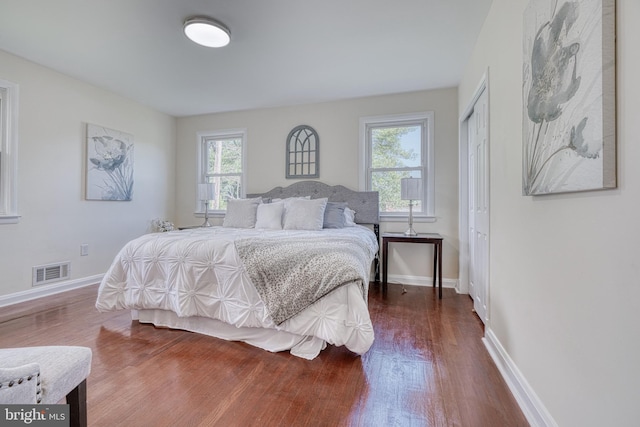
(207, 32)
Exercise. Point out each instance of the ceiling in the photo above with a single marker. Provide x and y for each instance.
(282, 52)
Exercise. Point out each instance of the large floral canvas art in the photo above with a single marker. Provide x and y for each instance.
(109, 164)
(569, 96)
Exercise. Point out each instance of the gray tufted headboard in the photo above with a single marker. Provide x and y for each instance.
(364, 203)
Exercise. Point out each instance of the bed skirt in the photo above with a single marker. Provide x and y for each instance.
(306, 347)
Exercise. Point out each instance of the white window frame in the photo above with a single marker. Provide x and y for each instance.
(426, 119)
(202, 163)
(8, 153)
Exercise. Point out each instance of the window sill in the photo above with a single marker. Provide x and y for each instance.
(405, 218)
(9, 219)
(212, 214)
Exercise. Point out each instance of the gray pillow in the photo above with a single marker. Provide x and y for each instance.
(241, 213)
(334, 215)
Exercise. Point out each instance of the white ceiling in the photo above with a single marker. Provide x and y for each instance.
(282, 52)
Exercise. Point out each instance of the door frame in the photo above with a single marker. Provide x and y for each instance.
(463, 191)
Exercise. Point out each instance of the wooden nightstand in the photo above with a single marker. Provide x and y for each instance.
(432, 238)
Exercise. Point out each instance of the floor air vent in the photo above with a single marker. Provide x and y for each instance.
(44, 274)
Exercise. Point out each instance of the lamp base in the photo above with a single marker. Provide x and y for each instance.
(410, 232)
(206, 215)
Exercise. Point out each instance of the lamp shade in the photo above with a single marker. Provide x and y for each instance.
(207, 31)
(206, 191)
(411, 189)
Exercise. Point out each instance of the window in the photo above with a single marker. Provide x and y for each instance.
(395, 147)
(222, 162)
(8, 152)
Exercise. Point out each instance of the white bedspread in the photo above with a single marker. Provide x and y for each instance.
(197, 273)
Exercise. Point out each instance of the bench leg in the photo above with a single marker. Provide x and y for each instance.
(77, 400)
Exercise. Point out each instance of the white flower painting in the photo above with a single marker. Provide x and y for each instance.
(569, 96)
(109, 164)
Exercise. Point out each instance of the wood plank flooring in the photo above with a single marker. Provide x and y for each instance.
(427, 367)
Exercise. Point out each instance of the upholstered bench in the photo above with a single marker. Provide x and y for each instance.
(45, 375)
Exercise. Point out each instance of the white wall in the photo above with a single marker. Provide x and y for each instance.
(53, 112)
(337, 124)
(565, 274)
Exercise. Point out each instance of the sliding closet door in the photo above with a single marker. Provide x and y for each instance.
(479, 206)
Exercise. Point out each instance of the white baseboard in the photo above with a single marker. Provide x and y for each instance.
(43, 291)
(533, 409)
(420, 281)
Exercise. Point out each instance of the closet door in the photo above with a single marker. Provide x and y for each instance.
(479, 207)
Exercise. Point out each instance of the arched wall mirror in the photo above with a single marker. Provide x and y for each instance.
(303, 153)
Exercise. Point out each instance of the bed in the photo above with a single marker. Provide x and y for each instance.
(294, 289)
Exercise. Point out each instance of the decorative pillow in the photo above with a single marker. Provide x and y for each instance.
(304, 214)
(241, 213)
(269, 216)
(334, 215)
(349, 217)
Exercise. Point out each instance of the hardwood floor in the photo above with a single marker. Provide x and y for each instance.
(427, 367)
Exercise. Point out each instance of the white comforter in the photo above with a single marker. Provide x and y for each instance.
(197, 274)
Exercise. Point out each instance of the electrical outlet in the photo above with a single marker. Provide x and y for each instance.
(84, 249)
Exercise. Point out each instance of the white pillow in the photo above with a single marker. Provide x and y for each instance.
(289, 199)
(241, 213)
(269, 216)
(304, 214)
(349, 217)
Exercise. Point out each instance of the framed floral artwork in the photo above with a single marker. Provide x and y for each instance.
(569, 96)
(109, 164)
